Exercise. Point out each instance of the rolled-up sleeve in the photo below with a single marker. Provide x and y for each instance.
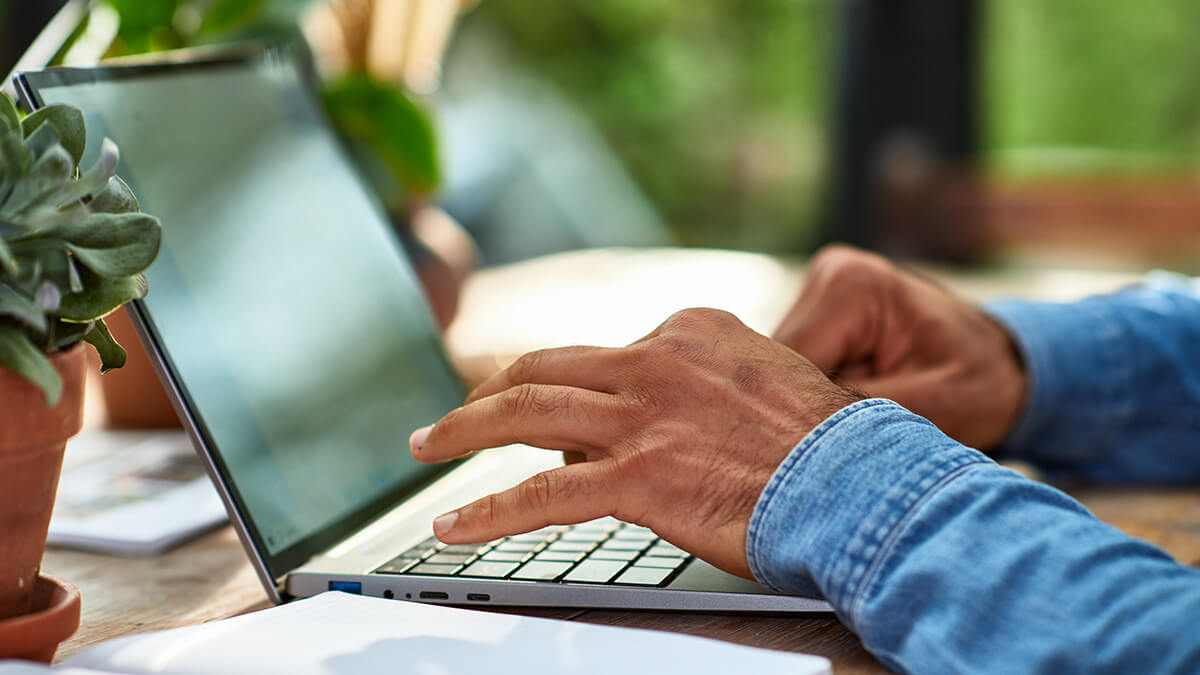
(1114, 383)
(943, 561)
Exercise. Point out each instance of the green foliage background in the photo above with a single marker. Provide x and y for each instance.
(721, 109)
(1116, 82)
(717, 108)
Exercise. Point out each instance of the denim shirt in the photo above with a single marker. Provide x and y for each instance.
(943, 561)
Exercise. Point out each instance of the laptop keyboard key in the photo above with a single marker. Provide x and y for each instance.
(625, 544)
(536, 570)
(560, 556)
(518, 546)
(398, 566)
(435, 569)
(505, 556)
(665, 563)
(595, 571)
(538, 535)
(560, 545)
(668, 551)
(468, 549)
(644, 576)
(612, 554)
(449, 558)
(489, 570)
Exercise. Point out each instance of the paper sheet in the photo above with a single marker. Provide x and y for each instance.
(350, 634)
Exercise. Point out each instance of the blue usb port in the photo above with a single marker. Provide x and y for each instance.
(346, 586)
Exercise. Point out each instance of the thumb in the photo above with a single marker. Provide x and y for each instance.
(829, 331)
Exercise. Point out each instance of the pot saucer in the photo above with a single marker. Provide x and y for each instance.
(55, 616)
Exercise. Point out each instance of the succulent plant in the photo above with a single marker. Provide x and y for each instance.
(73, 245)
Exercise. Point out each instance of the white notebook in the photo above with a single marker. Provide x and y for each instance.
(337, 633)
(132, 493)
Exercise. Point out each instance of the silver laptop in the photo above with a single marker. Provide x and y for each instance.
(296, 343)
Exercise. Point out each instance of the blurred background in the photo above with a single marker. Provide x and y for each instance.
(967, 131)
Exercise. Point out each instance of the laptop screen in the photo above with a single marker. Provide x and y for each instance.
(281, 300)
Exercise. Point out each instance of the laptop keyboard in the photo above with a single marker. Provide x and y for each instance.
(605, 551)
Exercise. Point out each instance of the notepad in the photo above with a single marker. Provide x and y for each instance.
(132, 493)
(339, 633)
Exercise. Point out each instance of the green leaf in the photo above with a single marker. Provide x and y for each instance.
(8, 263)
(116, 197)
(14, 162)
(67, 121)
(9, 117)
(17, 353)
(21, 308)
(41, 140)
(396, 130)
(67, 333)
(95, 178)
(112, 355)
(48, 176)
(112, 244)
(102, 296)
(73, 281)
(224, 16)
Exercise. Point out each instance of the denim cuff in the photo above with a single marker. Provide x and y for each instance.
(1079, 360)
(829, 515)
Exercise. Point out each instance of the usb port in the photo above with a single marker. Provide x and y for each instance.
(434, 595)
(479, 597)
(346, 586)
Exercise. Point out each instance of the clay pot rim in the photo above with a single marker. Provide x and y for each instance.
(53, 623)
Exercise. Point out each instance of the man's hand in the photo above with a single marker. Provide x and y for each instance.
(680, 432)
(889, 333)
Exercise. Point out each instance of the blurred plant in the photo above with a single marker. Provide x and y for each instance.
(717, 108)
(72, 246)
(389, 134)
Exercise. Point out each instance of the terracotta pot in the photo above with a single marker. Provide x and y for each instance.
(32, 439)
(133, 395)
(53, 618)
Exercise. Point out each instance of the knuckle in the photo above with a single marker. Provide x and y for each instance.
(845, 264)
(519, 401)
(521, 370)
(537, 492)
(694, 318)
(487, 510)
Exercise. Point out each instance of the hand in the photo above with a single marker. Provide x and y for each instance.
(679, 432)
(890, 333)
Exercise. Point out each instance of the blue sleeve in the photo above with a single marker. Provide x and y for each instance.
(944, 562)
(1114, 390)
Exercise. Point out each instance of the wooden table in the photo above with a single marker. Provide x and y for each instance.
(606, 297)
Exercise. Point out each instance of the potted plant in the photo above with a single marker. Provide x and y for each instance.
(73, 247)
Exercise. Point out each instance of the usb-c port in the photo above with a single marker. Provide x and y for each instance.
(479, 597)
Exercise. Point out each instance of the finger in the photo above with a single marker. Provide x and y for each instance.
(562, 496)
(593, 368)
(917, 390)
(545, 416)
(823, 328)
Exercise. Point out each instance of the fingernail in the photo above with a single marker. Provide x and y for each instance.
(418, 437)
(444, 523)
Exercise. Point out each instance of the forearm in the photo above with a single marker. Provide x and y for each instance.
(943, 561)
(1114, 389)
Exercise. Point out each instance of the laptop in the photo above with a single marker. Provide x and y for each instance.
(294, 339)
